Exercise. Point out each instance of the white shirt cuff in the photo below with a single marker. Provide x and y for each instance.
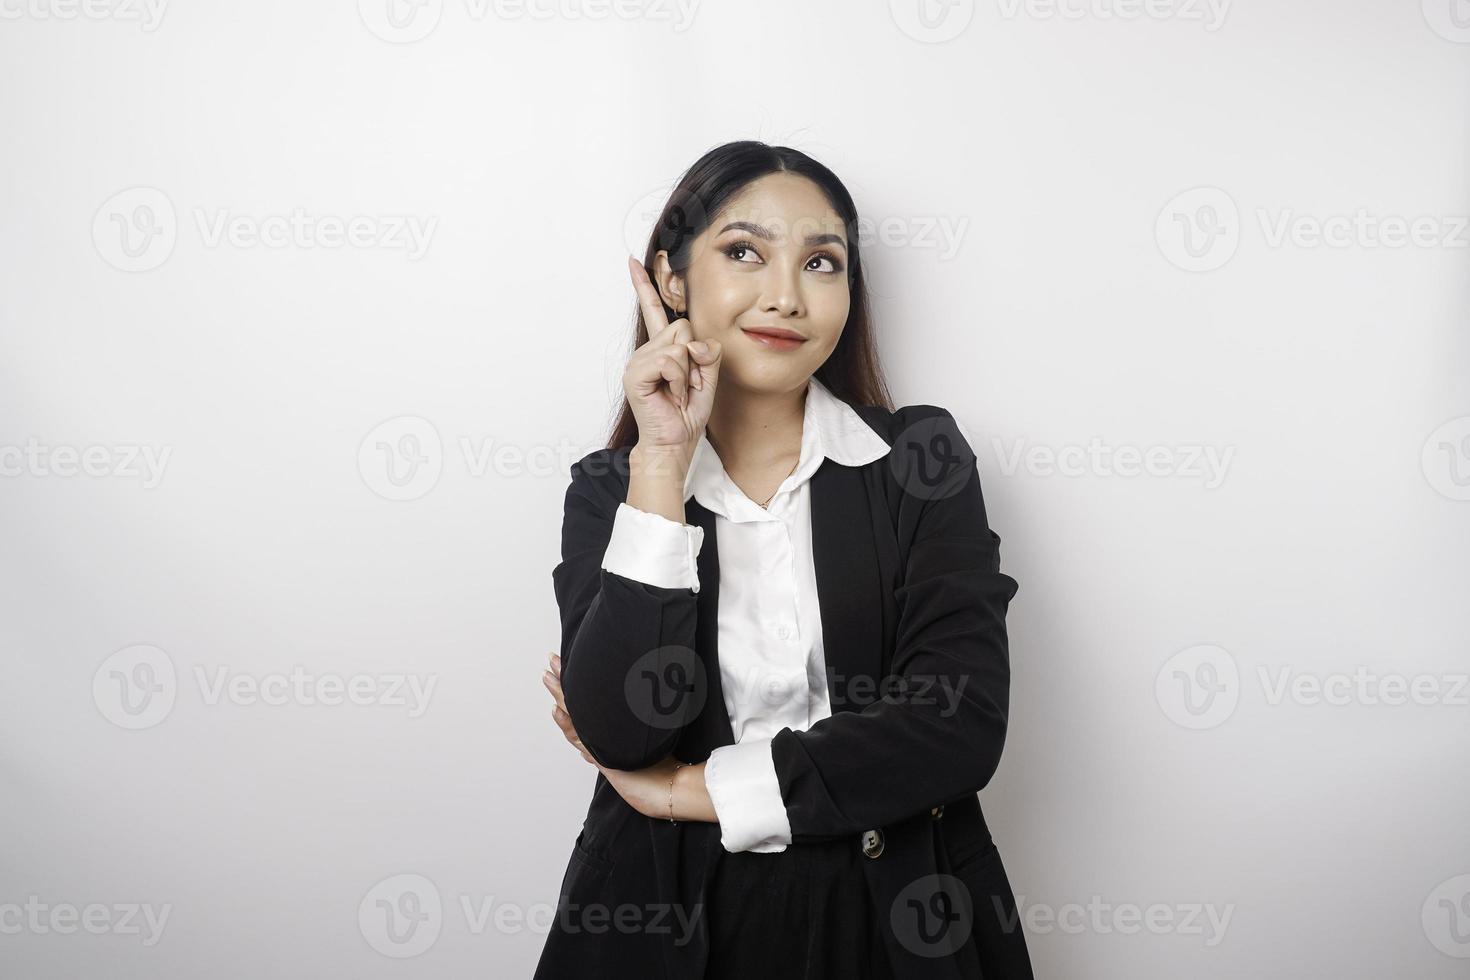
(742, 784)
(654, 550)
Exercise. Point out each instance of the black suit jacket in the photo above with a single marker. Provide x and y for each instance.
(912, 600)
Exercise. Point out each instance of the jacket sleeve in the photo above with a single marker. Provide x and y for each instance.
(938, 732)
(626, 645)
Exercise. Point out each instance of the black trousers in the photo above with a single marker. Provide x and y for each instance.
(799, 914)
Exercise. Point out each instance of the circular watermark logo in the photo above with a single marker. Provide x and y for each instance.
(135, 229)
(932, 21)
(686, 218)
(638, 222)
(401, 916)
(933, 916)
(932, 458)
(1198, 687)
(400, 21)
(402, 458)
(1446, 458)
(1199, 229)
(1446, 917)
(136, 687)
(1450, 19)
(666, 687)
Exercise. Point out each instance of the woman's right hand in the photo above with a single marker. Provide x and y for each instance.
(670, 381)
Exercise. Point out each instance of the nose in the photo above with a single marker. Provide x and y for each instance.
(782, 291)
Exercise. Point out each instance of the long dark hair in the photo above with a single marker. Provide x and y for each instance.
(851, 372)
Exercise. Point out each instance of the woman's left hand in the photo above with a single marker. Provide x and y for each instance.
(645, 790)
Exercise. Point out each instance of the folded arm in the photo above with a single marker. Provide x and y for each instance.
(624, 642)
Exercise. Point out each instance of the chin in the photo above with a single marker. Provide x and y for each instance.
(766, 378)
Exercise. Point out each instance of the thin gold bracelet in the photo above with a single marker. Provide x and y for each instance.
(671, 791)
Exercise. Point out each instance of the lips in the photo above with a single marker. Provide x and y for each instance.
(775, 339)
(780, 332)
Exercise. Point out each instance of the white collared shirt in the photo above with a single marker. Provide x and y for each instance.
(772, 665)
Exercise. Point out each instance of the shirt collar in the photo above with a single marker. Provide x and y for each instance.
(831, 429)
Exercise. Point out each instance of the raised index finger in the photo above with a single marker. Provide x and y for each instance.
(648, 299)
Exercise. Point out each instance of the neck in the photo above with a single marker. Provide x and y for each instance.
(756, 428)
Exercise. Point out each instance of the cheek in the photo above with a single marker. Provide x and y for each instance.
(722, 299)
(830, 314)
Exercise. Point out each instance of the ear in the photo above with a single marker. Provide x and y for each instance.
(670, 284)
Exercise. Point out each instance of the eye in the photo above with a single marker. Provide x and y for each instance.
(830, 259)
(741, 247)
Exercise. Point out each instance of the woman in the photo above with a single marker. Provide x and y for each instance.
(783, 624)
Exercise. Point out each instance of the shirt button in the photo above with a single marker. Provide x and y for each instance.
(783, 632)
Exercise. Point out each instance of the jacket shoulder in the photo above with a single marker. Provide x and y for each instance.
(905, 420)
(910, 414)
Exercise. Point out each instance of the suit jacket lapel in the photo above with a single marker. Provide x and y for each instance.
(849, 584)
(712, 726)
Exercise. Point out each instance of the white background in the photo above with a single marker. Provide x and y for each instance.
(1078, 297)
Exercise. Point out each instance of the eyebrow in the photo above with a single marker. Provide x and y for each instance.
(761, 232)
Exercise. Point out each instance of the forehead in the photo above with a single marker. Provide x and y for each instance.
(788, 205)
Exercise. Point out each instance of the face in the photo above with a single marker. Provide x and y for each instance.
(775, 258)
